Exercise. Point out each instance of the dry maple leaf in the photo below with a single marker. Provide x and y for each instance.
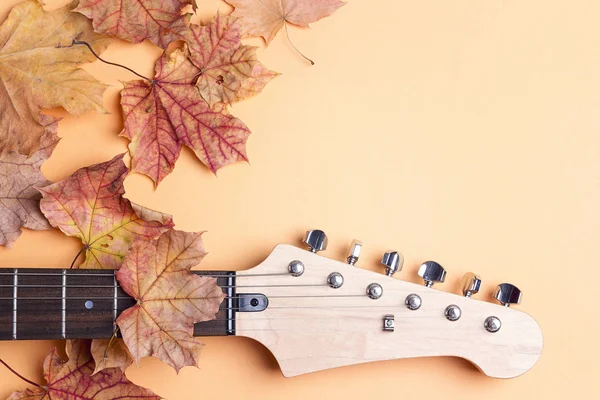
(161, 21)
(38, 68)
(19, 198)
(162, 115)
(256, 82)
(73, 379)
(117, 355)
(170, 299)
(224, 63)
(266, 17)
(90, 205)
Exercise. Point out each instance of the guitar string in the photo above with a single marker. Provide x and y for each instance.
(268, 308)
(61, 275)
(111, 275)
(217, 275)
(112, 298)
(390, 307)
(42, 286)
(131, 298)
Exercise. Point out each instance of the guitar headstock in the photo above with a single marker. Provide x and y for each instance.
(323, 313)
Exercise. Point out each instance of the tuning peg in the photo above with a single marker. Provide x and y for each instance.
(393, 262)
(470, 284)
(507, 294)
(432, 272)
(316, 240)
(354, 252)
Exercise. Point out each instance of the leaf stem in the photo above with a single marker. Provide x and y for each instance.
(22, 377)
(77, 256)
(295, 48)
(108, 62)
(110, 343)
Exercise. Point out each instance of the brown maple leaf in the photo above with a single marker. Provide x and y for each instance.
(161, 21)
(73, 379)
(266, 17)
(252, 86)
(162, 115)
(19, 177)
(224, 63)
(39, 68)
(90, 205)
(115, 356)
(170, 299)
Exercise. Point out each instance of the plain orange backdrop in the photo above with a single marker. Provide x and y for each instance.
(461, 131)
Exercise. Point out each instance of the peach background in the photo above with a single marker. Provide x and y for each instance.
(461, 131)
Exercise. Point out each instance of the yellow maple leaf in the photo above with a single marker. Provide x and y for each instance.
(39, 68)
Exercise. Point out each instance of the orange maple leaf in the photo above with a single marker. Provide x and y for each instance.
(163, 115)
(170, 299)
(161, 21)
(73, 379)
(110, 355)
(19, 177)
(266, 17)
(225, 64)
(39, 68)
(90, 205)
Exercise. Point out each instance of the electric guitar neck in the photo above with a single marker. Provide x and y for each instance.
(311, 312)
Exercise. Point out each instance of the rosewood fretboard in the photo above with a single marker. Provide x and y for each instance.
(63, 304)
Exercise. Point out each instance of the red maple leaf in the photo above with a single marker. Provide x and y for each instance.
(168, 112)
(161, 21)
(74, 379)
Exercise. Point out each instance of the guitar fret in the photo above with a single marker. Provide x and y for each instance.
(15, 291)
(39, 318)
(90, 311)
(63, 327)
(115, 301)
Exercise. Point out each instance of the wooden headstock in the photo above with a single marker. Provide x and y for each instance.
(310, 326)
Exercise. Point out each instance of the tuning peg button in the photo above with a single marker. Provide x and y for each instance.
(354, 252)
(432, 272)
(470, 284)
(316, 240)
(393, 262)
(507, 294)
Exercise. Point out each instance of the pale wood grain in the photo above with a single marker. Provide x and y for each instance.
(307, 334)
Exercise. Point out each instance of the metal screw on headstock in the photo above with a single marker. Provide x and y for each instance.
(374, 291)
(296, 268)
(335, 280)
(316, 240)
(413, 301)
(452, 312)
(354, 252)
(492, 324)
